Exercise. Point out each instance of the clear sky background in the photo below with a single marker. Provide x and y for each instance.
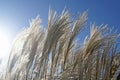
(16, 14)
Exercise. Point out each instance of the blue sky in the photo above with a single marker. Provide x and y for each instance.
(16, 14)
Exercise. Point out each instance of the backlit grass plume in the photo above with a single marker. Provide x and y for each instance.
(52, 53)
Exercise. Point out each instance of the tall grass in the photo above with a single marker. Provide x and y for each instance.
(54, 54)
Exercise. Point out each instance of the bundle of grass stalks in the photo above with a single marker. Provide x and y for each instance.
(54, 54)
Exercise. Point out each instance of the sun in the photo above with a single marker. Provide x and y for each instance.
(4, 44)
